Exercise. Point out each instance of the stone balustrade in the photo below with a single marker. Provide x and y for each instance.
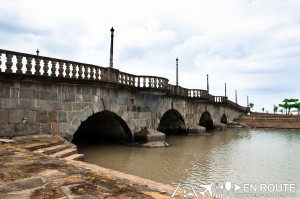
(34, 65)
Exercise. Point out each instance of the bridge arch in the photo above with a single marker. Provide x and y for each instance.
(206, 121)
(223, 119)
(171, 122)
(102, 125)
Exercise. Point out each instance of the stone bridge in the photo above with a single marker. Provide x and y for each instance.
(47, 95)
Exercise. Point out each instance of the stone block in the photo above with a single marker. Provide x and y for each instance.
(30, 116)
(88, 111)
(15, 93)
(46, 105)
(26, 94)
(62, 116)
(115, 108)
(56, 128)
(53, 116)
(67, 106)
(194, 129)
(57, 106)
(76, 121)
(27, 104)
(69, 128)
(10, 103)
(70, 97)
(15, 116)
(3, 116)
(78, 98)
(76, 106)
(86, 90)
(42, 116)
(45, 128)
(94, 107)
(6, 130)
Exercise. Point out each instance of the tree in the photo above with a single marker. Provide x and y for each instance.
(263, 109)
(275, 108)
(289, 104)
(251, 106)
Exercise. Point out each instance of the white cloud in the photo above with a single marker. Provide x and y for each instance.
(252, 45)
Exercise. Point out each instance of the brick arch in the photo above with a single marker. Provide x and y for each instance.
(206, 121)
(76, 118)
(171, 122)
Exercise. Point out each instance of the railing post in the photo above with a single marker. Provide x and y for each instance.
(37, 66)
(97, 73)
(9, 63)
(74, 70)
(92, 73)
(86, 72)
(53, 68)
(46, 68)
(61, 69)
(19, 64)
(28, 66)
(68, 70)
(80, 71)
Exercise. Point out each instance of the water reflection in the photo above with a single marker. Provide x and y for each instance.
(237, 155)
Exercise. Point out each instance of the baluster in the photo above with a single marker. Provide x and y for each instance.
(60, 69)
(102, 74)
(144, 81)
(37, 66)
(139, 82)
(46, 68)
(74, 70)
(19, 64)
(133, 81)
(80, 71)
(68, 70)
(97, 73)
(53, 68)
(92, 73)
(0, 61)
(86, 72)
(9, 63)
(28, 66)
(155, 83)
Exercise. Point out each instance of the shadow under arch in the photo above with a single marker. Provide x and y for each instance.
(224, 119)
(172, 122)
(102, 126)
(206, 121)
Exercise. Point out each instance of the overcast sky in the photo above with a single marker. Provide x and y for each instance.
(252, 45)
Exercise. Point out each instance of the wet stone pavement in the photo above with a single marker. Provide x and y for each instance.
(26, 174)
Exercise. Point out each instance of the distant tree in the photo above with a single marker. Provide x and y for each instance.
(275, 109)
(251, 106)
(289, 104)
(263, 109)
(281, 110)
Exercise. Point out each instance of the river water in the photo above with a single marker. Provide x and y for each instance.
(249, 158)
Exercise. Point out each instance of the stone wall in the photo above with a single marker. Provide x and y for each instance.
(55, 106)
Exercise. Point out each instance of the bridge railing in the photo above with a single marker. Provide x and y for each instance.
(22, 63)
(28, 64)
(198, 93)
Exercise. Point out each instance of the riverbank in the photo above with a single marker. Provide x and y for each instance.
(263, 120)
(28, 174)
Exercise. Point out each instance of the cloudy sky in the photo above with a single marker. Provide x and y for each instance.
(252, 45)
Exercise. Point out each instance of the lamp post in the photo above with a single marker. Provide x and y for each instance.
(225, 90)
(236, 97)
(111, 48)
(37, 52)
(176, 71)
(207, 83)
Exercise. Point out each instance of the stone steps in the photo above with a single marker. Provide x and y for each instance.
(76, 156)
(53, 149)
(65, 153)
(40, 145)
